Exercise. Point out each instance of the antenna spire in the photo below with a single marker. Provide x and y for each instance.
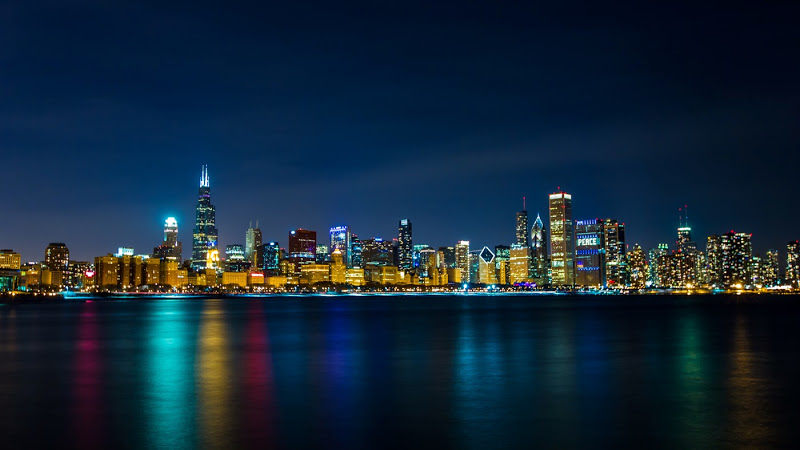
(523, 203)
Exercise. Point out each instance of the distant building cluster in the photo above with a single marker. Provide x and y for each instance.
(572, 254)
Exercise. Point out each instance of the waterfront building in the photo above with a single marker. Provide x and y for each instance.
(518, 262)
(354, 277)
(341, 239)
(383, 275)
(404, 244)
(714, 261)
(793, 264)
(562, 240)
(234, 279)
(617, 271)
(653, 256)
(487, 269)
(314, 273)
(737, 254)
(205, 252)
(10, 265)
(252, 244)
(638, 267)
(676, 270)
(338, 267)
(168, 274)
(56, 256)
(539, 255)
(770, 272)
(590, 252)
(462, 260)
(502, 259)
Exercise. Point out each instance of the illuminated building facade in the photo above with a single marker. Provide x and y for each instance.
(793, 264)
(562, 240)
(590, 261)
(171, 249)
(341, 240)
(638, 267)
(338, 267)
(56, 256)
(205, 252)
(487, 270)
(448, 256)
(377, 252)
(518, 262)
(521, 237)
(676, 270)
(302, 246)
(737, 255)
(462, 260)
(357, 257)
(502, 260)
(270, 258)
(539, 255)
(653, 258)
(770, 272)
(10, 273)
(235, 258)
(322, 254)
(404, 245)
(617, 271)
(252, 243)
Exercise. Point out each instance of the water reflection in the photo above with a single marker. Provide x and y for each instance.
(169, 399)
(749, 414)
(213, 377)
(89, 415)
(258, 382)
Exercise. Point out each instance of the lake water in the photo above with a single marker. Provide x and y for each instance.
(448, 371)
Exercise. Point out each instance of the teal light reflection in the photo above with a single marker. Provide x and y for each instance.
(170, 397)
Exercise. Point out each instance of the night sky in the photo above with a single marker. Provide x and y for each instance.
(314, 115)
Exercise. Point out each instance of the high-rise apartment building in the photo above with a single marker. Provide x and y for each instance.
(793, 264)
(562, 240)
(270, 258)
(653, 257)
(737, 254)
(205, 252)
(56, 256)
(404, 245)
(770, 269)
(638, 268)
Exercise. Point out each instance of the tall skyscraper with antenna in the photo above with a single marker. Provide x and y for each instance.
(205, 252)
(685, 244)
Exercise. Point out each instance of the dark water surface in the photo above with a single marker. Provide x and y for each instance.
(402, 372)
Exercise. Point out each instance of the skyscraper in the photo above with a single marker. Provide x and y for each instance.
(732, 253)
(770, 272)
(377, 252)
(562, 239)
(638, 267)
(793, 264)
(341, 240)
(205, 253)
(235, 259)
(653, 257)
(487, 271)
(252, 242)
(522, 226)
(270, 258)
(590, 254)
(462, 260)
(616, 253)
(405, 245)
(302, 246)
(170, 249)
(539, 256)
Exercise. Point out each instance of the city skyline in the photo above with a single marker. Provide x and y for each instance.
(682, 223)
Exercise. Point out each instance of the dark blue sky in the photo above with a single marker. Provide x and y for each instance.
(313, 115)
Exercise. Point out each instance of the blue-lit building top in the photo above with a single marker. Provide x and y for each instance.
(341, 239)
(204, 236)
